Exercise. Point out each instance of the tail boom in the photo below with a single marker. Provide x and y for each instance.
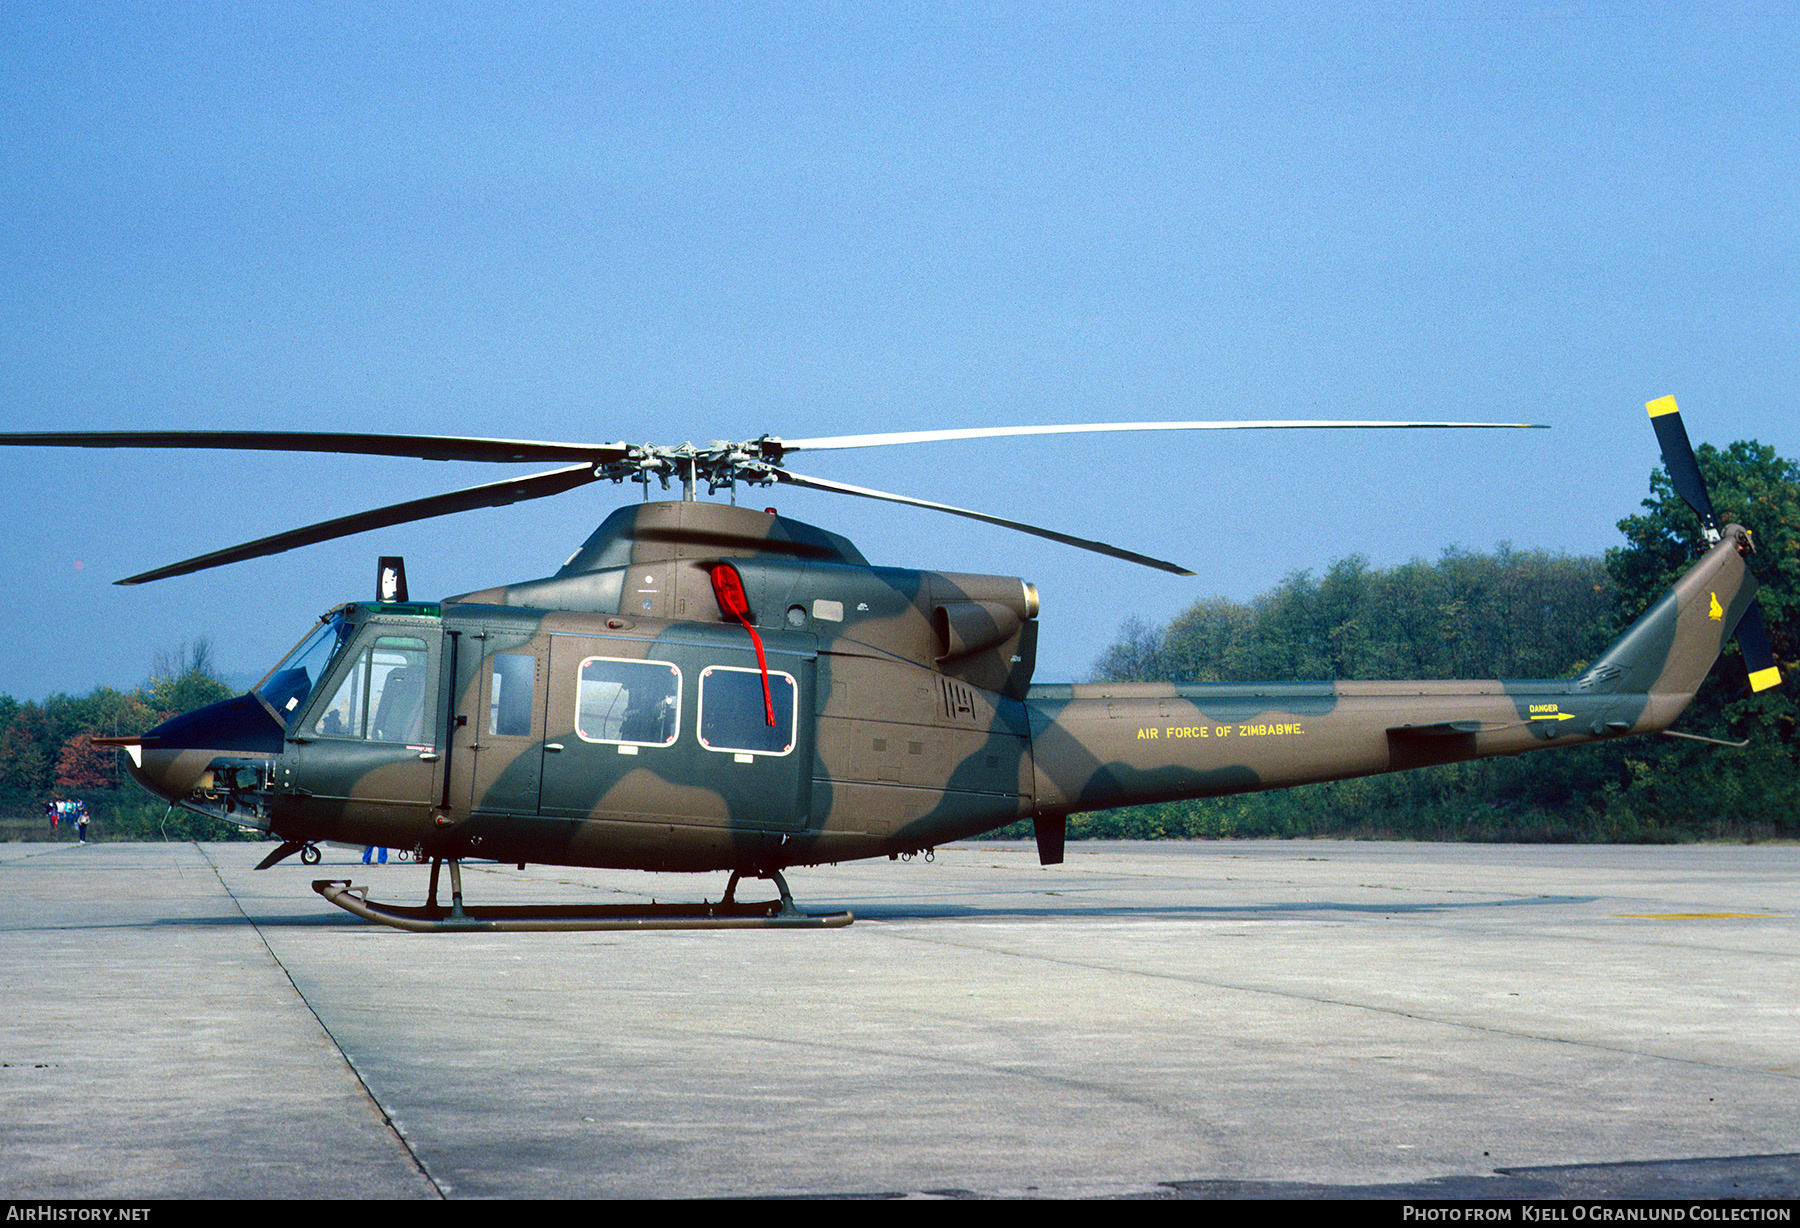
(1100, 745)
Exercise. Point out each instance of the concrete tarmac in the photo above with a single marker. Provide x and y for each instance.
(1246, 1019)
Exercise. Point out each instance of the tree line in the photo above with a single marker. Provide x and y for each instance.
(47, 752)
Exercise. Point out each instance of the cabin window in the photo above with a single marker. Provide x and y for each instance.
(733, 717)
(511, 684)
(629, 702)
(382, 698)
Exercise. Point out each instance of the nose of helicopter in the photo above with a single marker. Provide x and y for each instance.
(177, 758)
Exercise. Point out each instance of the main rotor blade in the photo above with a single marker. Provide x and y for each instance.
(420, 447)
(493, 494)
(1678, 459)
(1082, 543)
(825, 442)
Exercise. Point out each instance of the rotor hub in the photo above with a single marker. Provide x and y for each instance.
(722, 464)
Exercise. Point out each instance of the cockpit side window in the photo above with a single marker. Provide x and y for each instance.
(383, 696)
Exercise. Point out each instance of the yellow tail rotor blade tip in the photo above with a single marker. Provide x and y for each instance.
(1661, 406)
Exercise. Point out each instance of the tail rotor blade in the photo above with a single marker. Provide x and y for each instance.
(1759, 658)
(1684, 473)
(1678, 459)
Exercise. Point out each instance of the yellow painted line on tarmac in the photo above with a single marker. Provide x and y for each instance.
(1694, 916)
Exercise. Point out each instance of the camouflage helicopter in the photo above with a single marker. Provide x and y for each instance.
(708, 687)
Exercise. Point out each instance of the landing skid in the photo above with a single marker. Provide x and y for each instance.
(432, 917)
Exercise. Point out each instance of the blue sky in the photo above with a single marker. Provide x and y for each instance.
(668, 223)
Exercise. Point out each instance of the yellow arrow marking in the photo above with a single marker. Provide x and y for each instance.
(1554, 716)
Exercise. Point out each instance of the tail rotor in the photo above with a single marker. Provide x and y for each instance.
(1684, 473)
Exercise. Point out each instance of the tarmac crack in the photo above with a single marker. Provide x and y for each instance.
(387, 1118)
(1348, 1004)
(1015, 1069)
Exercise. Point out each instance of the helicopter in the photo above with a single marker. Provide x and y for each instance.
(707, 687)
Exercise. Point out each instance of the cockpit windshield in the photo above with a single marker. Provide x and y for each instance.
(291, 683)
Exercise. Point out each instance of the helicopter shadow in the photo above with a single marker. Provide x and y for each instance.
(1074, 909)
(275, 921)
(1079, 909)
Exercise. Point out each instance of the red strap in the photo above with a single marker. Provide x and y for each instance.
(728, 587)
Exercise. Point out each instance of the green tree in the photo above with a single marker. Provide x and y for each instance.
(1511, 614)
(184, 680)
